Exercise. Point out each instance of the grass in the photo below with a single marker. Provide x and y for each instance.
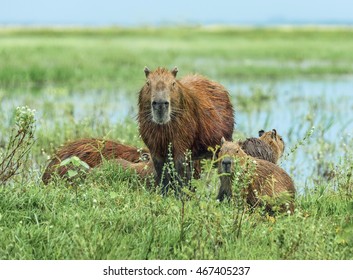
(110, 218)
(114, 57)
(111, 214)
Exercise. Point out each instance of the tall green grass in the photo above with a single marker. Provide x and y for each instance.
(111, 217)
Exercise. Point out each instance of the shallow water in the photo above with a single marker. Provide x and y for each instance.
(55, 103)
(321, 101)
(297, 106)
(293, 107)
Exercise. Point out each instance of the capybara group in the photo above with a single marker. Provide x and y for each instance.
(192, 113)
(182, 121)
(269, 146)
(92, 151)
(264, 177)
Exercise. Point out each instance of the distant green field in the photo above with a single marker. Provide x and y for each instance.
(114, 57)
(84, 83)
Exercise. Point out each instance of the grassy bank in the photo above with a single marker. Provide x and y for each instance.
(112, 217)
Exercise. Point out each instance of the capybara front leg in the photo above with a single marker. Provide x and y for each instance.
(160, 175)
(184, 170)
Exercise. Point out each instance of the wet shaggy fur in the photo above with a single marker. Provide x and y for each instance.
(93, 152)
(200, 114)
(257, 148)
(269, 146)
(266, 178)
(275, 141)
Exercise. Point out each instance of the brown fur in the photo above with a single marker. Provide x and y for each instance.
(257, 148)
(198, 114)
(266, 179)
(143, 169)
(269, 146)
(92, 151)
(275, 141)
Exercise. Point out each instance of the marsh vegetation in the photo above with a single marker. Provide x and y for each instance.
(85, 83)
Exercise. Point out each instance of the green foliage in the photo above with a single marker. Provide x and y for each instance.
(20, 141)
(113, 219)
(257, 99)
(40, 57)
(108, 213)
(76, 167)
(301, 142)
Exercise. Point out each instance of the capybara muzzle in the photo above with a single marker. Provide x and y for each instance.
(160, 111)
(226, 165)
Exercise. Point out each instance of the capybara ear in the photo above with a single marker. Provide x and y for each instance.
(222, 141)
(274, 133)
(175, 71)
(145, 156)
(261, 132)
(147, 71)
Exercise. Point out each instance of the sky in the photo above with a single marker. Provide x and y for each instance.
(158, 12)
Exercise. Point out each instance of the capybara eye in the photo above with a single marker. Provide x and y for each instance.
(173, 84)
(148, 83)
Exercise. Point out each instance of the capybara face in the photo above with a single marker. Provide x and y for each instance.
(161, 89)
(227, 154)
(274, 140)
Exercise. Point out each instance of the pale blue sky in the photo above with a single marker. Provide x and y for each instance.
(150, 12)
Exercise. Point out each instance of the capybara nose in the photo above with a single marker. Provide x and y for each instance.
(160, 105)
(226, 165)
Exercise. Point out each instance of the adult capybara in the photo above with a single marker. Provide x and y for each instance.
(261, 177)
(92, 151)
(269, 146)
(189, 114)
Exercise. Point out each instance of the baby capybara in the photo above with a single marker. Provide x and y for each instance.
(264, 177)
(93, 152)
(144, 169)
(269, 146)
(274, 140)
(189, 114)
